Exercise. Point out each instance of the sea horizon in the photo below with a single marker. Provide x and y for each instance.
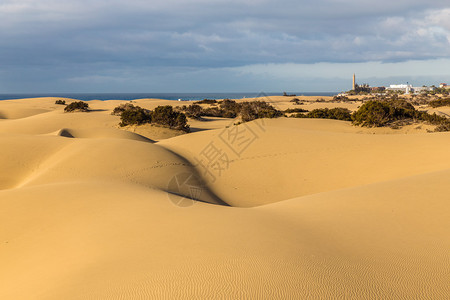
(165, 96)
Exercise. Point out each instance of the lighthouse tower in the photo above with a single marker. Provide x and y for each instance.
(354, 82)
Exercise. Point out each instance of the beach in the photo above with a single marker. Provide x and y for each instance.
(283, 208)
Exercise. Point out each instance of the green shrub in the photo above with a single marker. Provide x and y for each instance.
(212, 112)
(337, 113)
(340, 113)
(206, 101)
(382, 113)
(135, 116)
(400, 104)
(122, 107)
(162, 115)
(77, 106)
(440, 102)
(230, 108)
(166, 115)
(443, 127)
(372, 114)
(295, 110)
(60, 102)
(258, 109)
(341, 98)
(193, 111)
(443, 123)
(196, 111)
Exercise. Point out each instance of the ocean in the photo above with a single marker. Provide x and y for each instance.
(167, 96)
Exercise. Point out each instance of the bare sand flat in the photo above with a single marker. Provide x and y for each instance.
(297, 209)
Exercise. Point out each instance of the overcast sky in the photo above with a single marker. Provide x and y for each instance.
(220, 45)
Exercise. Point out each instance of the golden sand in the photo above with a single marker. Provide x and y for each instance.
(299, 208)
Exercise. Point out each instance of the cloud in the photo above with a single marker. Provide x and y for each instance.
(91, 38)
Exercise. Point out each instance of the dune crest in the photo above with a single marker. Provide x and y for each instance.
(101, 133)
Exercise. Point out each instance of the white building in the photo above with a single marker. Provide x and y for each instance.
(420, 89)
(408, 88)
(399, 86)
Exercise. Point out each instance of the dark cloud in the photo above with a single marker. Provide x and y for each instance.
(75, 39)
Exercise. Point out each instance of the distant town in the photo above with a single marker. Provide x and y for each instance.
(365, 89)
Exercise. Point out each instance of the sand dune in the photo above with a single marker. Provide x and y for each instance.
(350, 244)
(65, 160)
(305, 209)
(289, 158)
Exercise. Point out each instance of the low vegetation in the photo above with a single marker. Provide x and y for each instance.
(162, 115)
(440, 102)
(258, 109)
(443, 127)
(230, 108)
(135, 115)
(167, 116)
(337, 113)
(77, 106)
(385, 113)
(117, 111)
(393, 112)
(206, 101)
(227, 108)
(342, 98)
(439, 90)
(60, 102)
(297, 101)
(295, 110)
(193, 111)
(212, 112)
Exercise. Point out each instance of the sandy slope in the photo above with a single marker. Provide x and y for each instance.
(318, 209)
(290, 158)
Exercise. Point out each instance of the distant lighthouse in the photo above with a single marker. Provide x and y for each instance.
(354, 82)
